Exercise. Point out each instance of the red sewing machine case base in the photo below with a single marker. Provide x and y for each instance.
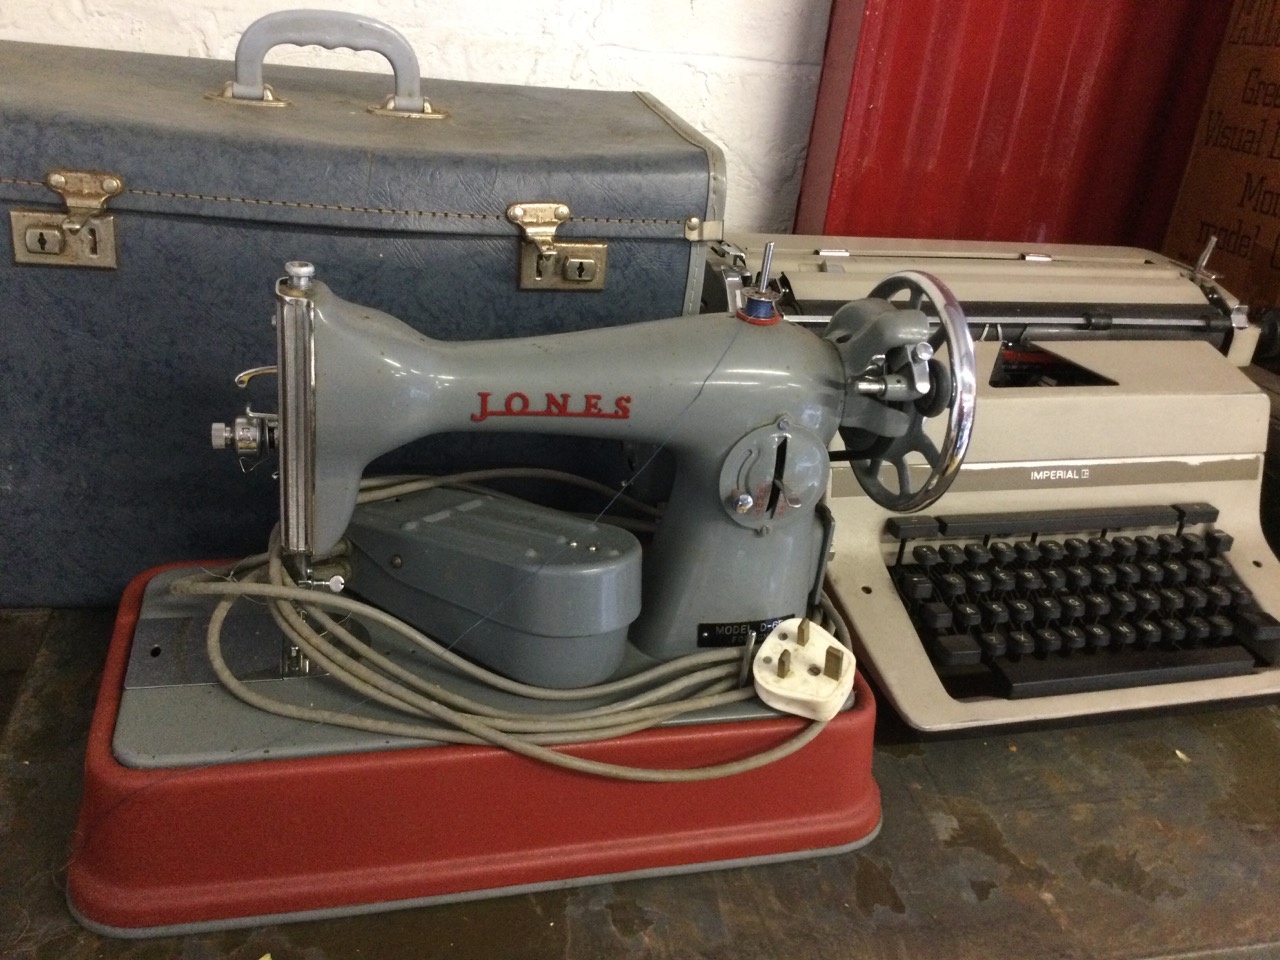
(176, 850)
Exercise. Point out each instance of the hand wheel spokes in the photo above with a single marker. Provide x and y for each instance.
(944, 462)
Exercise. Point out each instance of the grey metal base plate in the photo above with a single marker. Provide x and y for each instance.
(175, 713)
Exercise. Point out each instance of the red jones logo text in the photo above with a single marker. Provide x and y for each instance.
(555, 405)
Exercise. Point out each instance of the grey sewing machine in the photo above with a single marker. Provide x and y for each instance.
(747, 405)
(375, 722)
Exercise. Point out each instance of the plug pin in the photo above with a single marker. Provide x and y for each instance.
(802, 633)
(784, 664)
(834, 663)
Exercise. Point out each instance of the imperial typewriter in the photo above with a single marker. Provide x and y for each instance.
(1099, 549)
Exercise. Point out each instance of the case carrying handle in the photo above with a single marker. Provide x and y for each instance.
(330, 29)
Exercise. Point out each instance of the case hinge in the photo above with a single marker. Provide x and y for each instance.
(547, 263)
(82, 236)
(695, 229)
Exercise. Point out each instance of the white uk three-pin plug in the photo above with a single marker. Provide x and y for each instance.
(802, 669)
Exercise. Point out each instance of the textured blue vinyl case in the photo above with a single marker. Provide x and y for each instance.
(150, 219)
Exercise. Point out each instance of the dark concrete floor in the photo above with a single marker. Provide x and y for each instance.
(1142, 838)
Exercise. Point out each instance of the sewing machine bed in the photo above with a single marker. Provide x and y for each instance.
(206, 813)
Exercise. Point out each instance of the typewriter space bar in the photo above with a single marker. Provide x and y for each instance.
(1033, 677)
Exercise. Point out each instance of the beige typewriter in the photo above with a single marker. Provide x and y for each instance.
(1099, 549)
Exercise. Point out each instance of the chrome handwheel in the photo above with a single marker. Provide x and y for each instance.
(952, 391)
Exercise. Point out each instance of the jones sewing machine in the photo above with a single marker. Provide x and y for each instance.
(712, 669)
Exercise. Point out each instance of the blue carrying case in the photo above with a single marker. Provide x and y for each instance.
(113, 373)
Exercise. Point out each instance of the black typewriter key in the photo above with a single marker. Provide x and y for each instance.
(1243, 597)
(1174, 572)
(1220, 627)
(1020, 611)
(1048, 640)
(1147, 546)
(1193, 544)
(925, 555)
(1097, 637)
(1218, 542)
(1220, 570)
(950, 585)
(1101, 548)
(1078, 577)
(1055, 578)
(936, 616)
(1047, 609)
(965, 615)
(1029, 579)
(1123, 634)
(1076, 548)
(1198, 571)
(1148, 601)
(952, 554)
(1026, 551)
(1021, 643)
(1124, 547)
(994, 613)
(1196, 599)
(977, 554)
(1128, 574)
(977, 581)
(993, 643)
(1073, 638)
(1123, 603)
(1148, 633)
(1002, 552)
(1051, 550)
(1171, 600)
(1173, 632)
(1097, 605)
(1104, 575)
(1072, 608)
(915, 586)
(1219, 596)
(1197, 512)
(1259, 633)
(1197, 629)
(1152, 572)
(955, 650)
(1002, 581)
(1170, 545)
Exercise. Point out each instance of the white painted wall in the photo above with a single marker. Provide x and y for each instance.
(745, 72)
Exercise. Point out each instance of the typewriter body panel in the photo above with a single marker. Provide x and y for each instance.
(1180, 425)
(1131, 396)
(1010, 291)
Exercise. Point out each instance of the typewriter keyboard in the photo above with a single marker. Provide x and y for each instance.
(1052, 602)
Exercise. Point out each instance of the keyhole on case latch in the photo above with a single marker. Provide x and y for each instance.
(43, 242)
(582, 270)
(93, 240)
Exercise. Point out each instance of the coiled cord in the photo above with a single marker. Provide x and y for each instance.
(434, 712)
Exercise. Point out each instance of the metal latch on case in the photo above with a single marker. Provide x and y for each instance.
(548, 263)
(82, 236)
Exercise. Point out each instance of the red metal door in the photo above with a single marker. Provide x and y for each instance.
(1037, 120)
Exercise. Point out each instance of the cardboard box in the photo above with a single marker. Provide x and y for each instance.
(1231, 189)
